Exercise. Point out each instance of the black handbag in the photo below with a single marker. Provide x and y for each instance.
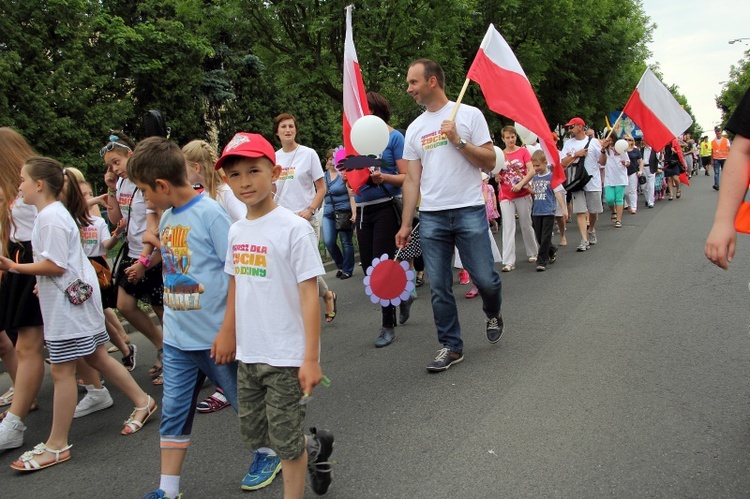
(343, 220)
(576, 175)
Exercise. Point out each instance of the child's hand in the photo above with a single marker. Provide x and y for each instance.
(223, 349)
(120, 228)
(110, 179)
(309, 376)
(6, 263)
(135, 272)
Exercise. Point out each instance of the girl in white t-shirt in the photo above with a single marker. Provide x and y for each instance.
(71, 331)
(138, 275)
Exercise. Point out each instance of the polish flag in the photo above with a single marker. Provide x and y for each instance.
(508, 92)
(355, 98)
(656, 112)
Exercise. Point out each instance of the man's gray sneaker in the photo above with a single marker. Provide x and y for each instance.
(583, 246)
(495, 327)
(592, 237)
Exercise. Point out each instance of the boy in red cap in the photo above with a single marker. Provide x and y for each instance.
(272, 321)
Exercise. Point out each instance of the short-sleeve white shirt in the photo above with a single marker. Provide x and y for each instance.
(268, 258)
(295, 188)
(448, 180)
(574, 145)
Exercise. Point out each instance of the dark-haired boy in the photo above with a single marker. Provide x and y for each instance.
(272, 321)
(193, 236)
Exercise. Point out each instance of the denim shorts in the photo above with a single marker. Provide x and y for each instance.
(269, 410)
(184, 373)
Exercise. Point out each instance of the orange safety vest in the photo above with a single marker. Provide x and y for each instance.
(720, 149)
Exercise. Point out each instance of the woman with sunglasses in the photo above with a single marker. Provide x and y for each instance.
(138, 275)
(635, 170)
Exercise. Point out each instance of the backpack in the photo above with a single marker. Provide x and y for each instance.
(576, 175)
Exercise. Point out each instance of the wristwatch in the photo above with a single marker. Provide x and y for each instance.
(461, 144)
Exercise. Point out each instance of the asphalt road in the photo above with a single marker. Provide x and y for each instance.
(623, 372)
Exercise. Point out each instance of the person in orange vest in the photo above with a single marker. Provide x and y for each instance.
(719, 152)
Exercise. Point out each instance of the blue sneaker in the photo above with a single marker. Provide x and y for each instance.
(261, 472)
(159, 494)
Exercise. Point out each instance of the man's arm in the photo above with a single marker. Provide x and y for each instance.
(482, 156)
(410, 190)
(735, 175)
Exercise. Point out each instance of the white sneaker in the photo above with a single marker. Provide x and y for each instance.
(11, 434)
(95, 400)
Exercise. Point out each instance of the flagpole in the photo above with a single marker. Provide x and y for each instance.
(615, 124)
(458, 101)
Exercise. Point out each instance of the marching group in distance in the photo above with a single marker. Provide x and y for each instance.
(225, 252)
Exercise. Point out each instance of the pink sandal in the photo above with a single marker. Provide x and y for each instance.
(473, 292)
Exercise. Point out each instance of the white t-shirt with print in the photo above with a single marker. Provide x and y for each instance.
(591, 160)
(295, 188)
(137, 226)
(268, 258)
(615, 171)
(56, 237)
(235, 208)
(93, 237)
(23, 220)
(449, 180)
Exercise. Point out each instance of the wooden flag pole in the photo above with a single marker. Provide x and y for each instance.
(614, 124)
(460, 98)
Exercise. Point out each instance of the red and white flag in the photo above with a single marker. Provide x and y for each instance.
(508, 91)
(656, 112)
(355, 98)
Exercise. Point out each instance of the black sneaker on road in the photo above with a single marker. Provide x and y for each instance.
(319, 449)
(445, 358)
(495, 327)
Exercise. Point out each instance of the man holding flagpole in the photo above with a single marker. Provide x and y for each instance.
(446, 152)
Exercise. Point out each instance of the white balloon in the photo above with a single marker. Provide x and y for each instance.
(499, 161)
(523, 133)
(621, 146)
(530, 139)
(370, 135)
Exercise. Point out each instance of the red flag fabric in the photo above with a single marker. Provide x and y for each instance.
(355, 97)
(508, 91)
(656, 112)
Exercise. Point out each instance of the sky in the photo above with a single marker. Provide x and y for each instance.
(690, 46)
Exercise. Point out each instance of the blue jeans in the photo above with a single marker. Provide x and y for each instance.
(466, 229)
(718, 165)
(184, 373)
(344, 261)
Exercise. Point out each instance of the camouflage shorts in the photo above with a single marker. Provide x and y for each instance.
(269, 410)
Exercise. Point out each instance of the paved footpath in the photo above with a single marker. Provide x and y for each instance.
(623, 372)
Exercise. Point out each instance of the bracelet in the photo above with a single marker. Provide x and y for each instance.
(145, 260)
(111, 192)
(312, 210)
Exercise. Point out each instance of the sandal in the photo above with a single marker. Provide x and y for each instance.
(332, 315)
(132, 424)
(508, 268)
(158, 380)
(419, 280)
(472, 293)
(679, 193)
(28, 462)
(156, 371)
(7, 397)
(618, 225)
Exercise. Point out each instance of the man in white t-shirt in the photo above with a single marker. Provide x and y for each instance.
(446, 156)
(589, 200)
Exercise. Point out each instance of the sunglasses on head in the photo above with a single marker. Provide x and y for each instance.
(113, 142)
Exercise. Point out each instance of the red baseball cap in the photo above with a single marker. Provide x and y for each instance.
(575, 121)
(248, 145)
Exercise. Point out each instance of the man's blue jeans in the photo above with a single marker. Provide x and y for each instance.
(718, 165)
(466, 229)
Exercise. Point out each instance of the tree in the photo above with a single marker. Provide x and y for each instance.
(735, 87)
